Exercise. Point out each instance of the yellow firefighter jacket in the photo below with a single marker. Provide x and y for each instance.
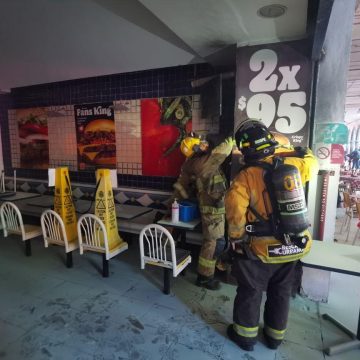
(247, 189)
(202, 177)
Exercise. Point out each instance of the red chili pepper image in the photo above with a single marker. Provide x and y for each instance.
(28, 129)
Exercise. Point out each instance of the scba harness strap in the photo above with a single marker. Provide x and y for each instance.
(273, 226)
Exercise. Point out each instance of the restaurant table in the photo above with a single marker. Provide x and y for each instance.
(34, 207)
(129, 212)
(15, 196)
(180, 227)
(123, 211)
(44, 201)
(354, 181)
(135, 225)
(47, 202)
(188, 225)
(343, 259)
(349, 177)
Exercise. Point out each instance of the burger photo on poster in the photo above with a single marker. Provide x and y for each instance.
(282, 139)
(33, 139)
(97, 142)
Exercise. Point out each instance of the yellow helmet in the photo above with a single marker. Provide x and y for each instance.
(187, 145)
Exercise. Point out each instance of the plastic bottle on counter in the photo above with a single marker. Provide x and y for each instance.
(175, 212)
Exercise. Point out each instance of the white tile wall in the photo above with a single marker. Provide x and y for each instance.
(128, 136)
(202, 126)
(62, 137)
(14, 139)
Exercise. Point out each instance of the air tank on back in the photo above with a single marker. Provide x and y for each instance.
(290, 196)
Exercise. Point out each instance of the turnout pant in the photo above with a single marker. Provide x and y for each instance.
(254, 277)
(213, 227)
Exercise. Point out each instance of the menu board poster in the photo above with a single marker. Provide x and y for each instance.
(33, 137)
(164, 124)
(273, 84)
(95, 131)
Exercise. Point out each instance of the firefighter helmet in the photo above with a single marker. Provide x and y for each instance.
(188, 144)
(254, 140)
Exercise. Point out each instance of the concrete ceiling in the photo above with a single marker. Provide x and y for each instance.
(44, 41)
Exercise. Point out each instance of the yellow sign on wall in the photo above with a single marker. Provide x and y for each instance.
(105, 208)
(63, 203)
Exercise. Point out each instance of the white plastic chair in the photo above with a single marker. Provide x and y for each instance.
(157, 247)
(357, 224)
(92, 236)
(53, 230)
(12, 223)
(350, 210)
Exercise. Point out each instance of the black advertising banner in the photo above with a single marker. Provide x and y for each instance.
(273, 84)
(95, 130)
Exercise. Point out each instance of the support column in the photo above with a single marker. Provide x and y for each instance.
(331, 54)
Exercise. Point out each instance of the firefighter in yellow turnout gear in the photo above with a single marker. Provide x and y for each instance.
(202, 177)
(261, 262)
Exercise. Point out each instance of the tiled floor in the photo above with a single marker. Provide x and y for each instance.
(50, 312)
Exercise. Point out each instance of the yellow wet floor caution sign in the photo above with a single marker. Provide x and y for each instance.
(105, 208)
(63, 202)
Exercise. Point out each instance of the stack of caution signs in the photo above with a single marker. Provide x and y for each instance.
(64, 204)
(105, 209)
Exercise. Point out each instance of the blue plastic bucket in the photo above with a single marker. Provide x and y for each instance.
(188, 211)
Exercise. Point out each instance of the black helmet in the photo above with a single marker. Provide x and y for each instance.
(254, 140)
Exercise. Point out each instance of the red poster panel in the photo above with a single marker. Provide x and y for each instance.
(164, 124)
(337, 154)
(33, 138)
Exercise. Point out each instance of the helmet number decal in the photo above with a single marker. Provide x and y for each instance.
(292, 182)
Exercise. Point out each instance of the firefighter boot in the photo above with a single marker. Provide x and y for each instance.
(221, 265)
(243, 344)
(271, 342)
(207, 282)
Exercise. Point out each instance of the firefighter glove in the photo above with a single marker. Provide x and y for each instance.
(231, 141)
(301, 151)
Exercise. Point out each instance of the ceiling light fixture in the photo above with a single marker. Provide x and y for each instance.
(272, 11)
